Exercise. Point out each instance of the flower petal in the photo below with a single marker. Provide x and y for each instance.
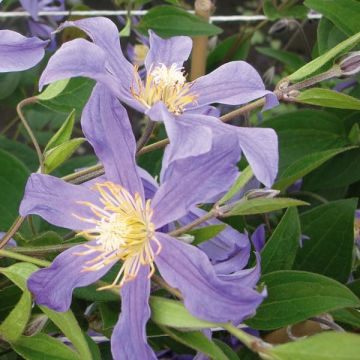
(174, 50)
(226, 244)
(57, 201)
(260, 145)
(258, 238)
(53, 286)
(195, 179)
(187, 137)
(247, 277)
(18, 52)
(78, 57)
(234, 83)
(206, 296)
(104, 33)
(128, 341)
(107, 127)
(32, 6)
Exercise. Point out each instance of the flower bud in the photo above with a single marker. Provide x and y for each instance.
(261, 193)
(350, 64)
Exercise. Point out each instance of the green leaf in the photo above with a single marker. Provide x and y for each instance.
(169, 21)
(342, 170)
(63, 134)
(331, 231)
(226, 349)
(328, 98)
(280, 250)
(294, 296)
(328, 35)
(345, 14)
(354, 134)
(304, 166)
(292, 60)
(42, 346)
(270, 11)
(66, 95)
(197, 341)
(59, 154)
(68, 324)
(66, 321)
(313, 66)
(262, 205)
(18, 273)
(174, 314)
(206, 233)
(347, 316)
(13, 177)
(244, 177)
(21, 151)
(9, 83)
(325, 346)
(14, 325)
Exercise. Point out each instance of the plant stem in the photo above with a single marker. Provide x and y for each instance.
(20, 105)
(39, 250)
(25, 258)
(211, 214)
(160, 281)
(149, 128)
(253, 343)
(11, 232)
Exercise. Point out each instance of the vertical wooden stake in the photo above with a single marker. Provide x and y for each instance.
(203, 8)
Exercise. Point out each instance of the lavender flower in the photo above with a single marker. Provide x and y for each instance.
(122, 226)
(18, 53)
(166, 96)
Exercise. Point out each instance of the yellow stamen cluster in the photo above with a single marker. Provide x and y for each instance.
(166, 84)
(123, 231)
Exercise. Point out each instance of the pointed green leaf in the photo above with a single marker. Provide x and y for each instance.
(244, 177)
(262, 205)
(325, 346)
(42, 346)
(206, 233)
(14, 324)
(197, 341)
(173, 313)
(330, 248)
(66, 95)
(280, 250)
(294, 296)
(66, 321)
(294, 61)
(328, 98)
(305, 165)
(345, 14)
(311, 67)
(59, 154)
(168, 21)
(63, 134)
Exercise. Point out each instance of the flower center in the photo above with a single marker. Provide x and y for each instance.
(166, 84)
(123, 231)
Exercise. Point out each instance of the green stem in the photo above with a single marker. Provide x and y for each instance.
(11, 232)
(25, 258)
(253, 343)
(144, 138)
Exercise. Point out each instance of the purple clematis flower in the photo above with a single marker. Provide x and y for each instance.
(165, 95)
(18, 53)
(122, 225)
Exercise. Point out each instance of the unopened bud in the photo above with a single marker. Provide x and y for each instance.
(261, 193)
(350, 64)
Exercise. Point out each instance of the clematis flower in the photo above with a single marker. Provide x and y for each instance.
(18, 53)
(122, 226)
(166, 95)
